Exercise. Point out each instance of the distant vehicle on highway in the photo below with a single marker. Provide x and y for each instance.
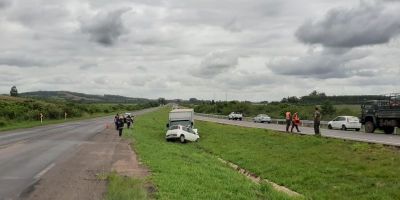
(182, 133)
(345, 122)
(262, 118)
(235, 116)
(382, 114)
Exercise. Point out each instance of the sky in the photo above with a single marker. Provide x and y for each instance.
(257, 50)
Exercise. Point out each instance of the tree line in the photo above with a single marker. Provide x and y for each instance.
(317, 98)
(14, 109)
(276, 110)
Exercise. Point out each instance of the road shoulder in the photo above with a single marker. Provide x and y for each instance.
(83, 175)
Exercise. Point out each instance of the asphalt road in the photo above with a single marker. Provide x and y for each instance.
(26, 155)
(393, 140)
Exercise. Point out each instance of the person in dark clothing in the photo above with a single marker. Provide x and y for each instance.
(317, 121)
(115, 121)
(129, 121)
(120, 125)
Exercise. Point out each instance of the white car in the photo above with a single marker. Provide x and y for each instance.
(261, 118)
(182, 133)
(235, 116)
(345, 122)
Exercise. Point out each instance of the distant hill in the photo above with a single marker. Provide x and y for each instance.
(81, 97)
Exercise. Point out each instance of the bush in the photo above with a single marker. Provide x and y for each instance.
(3, 123)
(275, 110)
(12, 110)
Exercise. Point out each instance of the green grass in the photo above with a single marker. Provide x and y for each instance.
(125, 188)
(319, 168)
(186, 171)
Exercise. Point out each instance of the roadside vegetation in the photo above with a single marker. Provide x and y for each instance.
(331, 106)
(318, 168)
(187, 171)
(16, 112)
(125, 188)
(275, 110)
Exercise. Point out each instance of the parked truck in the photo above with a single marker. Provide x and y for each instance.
(381, 114)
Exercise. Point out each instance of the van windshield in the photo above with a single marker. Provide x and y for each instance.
(173, 127)
(181, 122)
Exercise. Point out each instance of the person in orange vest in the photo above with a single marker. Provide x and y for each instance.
(288, 117)
(295, 122)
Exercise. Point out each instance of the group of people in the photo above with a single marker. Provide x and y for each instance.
(295, 121)
(292, 120)
(120, 121)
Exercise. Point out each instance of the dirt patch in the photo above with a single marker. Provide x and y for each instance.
(83, 175)
(126, 162)
(257, 179)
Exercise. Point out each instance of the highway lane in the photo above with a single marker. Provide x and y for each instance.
(27, 154)
(393, 140)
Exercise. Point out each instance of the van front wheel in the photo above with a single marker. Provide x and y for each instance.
(182, 139)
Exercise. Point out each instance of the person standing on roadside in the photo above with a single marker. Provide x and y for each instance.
(295, 122)
(129, 121)
(120, 125)
(317, 121)
(116, 118)
(288, 117)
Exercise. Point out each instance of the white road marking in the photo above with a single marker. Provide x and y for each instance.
(40, 174)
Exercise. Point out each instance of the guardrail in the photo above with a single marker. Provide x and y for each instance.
(307, 123)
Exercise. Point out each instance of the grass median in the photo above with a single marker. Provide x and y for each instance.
(319, 168)
(185, 171)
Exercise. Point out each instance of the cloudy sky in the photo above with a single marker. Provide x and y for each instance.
(239, 49)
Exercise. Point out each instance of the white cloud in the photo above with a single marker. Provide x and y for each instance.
(366, 24)
(215, 63)
(106, 27)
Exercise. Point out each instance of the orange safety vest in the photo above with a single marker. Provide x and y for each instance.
(288, 115)
(296, 119)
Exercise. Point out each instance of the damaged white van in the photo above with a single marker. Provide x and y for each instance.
(181, 126)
